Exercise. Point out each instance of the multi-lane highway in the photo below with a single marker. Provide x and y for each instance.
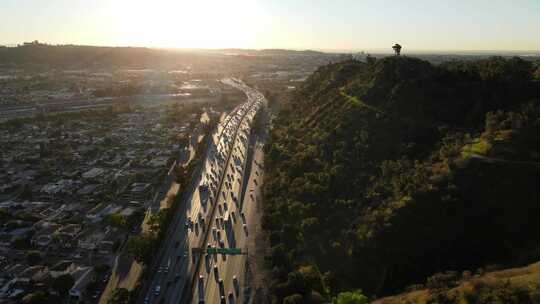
(210, 216)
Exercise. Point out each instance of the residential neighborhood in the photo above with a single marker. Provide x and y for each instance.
(75, 186)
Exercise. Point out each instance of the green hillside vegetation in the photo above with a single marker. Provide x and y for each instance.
(515, 285)
(381, 174)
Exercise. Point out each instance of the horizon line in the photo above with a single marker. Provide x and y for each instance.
(323, 50)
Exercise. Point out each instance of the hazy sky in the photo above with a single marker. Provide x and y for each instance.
(298, 24)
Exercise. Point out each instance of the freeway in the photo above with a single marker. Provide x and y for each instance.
(177, 261)
(219, 277)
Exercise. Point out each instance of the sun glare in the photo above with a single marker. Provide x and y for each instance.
(181, 23)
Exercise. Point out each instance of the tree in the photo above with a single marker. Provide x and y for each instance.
(397, 49)
(294, 299)
(537, 73)
(351, 297)
(119, 296)
(115, 220)
(101, 269)
(298, 282)
(142, 247)
(63, 284)
(33, 257)
(135, 218)
(38, 297)
(22, 243)
(370, 60)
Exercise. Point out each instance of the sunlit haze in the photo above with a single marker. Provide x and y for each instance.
(301, 24)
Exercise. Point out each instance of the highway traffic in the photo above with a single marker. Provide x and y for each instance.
(211, 217)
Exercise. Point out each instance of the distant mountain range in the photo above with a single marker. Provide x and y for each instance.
(86, 56)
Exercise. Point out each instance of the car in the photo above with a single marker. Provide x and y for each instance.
(146, 300)
(231, 298)
(201, 280)
(221, 244)
(236, 285)
(221, 287)
(222, 300)
(157, 290)
(216, 271)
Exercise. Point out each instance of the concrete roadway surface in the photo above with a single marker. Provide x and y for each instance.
(172, 270)
(219, 278)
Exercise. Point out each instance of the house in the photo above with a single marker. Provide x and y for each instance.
(35, 273)
(5, 240)
(94, 213)
(87, 189)
(15, 270)
(93, 173)
(106, 246)
(42, 240)
(63, 186)
(159, 162)
(138, 188)
(62, 268)
(126, 212)
(138, 191)
(83, 277)
(14, 288)
(70, 230)
(90, 238)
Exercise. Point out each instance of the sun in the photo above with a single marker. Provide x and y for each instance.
(182, 23)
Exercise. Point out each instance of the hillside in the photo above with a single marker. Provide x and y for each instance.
(383, 173)
(74, 56)
(504, 286)
(79, 56)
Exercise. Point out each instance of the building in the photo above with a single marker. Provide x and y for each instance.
(82, 277)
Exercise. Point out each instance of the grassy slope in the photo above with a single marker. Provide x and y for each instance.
(527, 277)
